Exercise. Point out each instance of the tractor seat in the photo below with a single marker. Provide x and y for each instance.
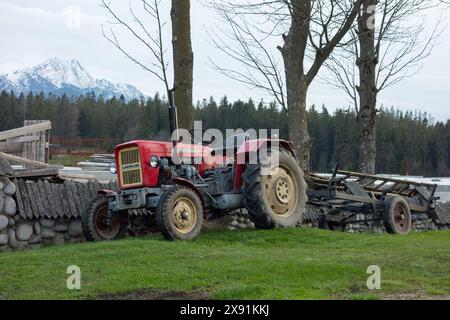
(232, 144)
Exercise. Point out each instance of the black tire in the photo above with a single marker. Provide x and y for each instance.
(168, 215)
(330, 225)
(94, 223)
(265, 206)
(397, 216)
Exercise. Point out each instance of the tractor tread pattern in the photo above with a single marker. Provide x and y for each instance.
(252, 193)
(88, 220)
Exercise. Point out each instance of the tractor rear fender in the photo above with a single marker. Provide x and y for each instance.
(252, 146)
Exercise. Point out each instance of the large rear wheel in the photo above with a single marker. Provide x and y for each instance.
(179, 215)
(95, 222)
(275, 197)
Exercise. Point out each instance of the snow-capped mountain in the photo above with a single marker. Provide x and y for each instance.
(58, 76)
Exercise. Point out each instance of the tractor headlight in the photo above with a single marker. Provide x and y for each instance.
(112, 168)
(154, 161)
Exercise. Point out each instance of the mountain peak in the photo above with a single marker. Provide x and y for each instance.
(60, 72)
(60, 76)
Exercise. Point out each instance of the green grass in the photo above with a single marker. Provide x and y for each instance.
(67, 160)
(278, 264)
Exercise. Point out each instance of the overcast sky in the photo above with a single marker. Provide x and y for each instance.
(33, 31)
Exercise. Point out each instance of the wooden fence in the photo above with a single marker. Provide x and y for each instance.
(44, 198)
(30, 142)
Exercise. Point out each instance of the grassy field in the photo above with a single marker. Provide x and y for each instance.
(68, 160)
(279, 264)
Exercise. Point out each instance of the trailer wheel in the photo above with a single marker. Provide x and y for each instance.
(397, 216)
(277, 199)
(94, 221)
(179, 215)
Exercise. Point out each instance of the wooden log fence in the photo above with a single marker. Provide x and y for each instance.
(49, 199)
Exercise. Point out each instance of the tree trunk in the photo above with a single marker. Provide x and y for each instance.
(297, 121)
(293, 52)
(367, 88)
(183, 61)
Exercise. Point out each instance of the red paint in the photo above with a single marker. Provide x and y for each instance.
(238, 181)
(255, 145)
(203, 159)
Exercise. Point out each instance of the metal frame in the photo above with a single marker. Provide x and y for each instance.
(347, 194)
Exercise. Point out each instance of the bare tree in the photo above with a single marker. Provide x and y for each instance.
(304, 31)
(183, 60)
(139, 28)
(147, 28)
(388, 44)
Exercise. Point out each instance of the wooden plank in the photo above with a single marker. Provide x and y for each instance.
(69, 175)
(11, 147)
(37, 173)
(24, 139)
(92, 189)
(50, 199)
(42, 144)
(47, 125)
(64, 200)
(43, 195)
(84, 195)
(39, 201)
(97, 186)
(57, 198)
(71, 200)
(28, 213)
(32, 199)
(20, 204)
(45, 202)
(21, 160)
(76, 197)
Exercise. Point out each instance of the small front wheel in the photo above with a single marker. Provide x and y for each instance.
(95, 221)
(179, 215)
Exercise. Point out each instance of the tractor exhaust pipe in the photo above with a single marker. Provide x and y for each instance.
(173, 118)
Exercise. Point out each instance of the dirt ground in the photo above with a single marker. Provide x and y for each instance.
(415, 296)
(154, 294)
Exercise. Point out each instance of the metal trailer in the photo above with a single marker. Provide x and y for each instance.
(346, 196)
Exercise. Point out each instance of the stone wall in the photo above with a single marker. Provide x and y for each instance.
(18, 233)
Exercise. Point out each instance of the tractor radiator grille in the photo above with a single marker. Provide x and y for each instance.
(130, 167)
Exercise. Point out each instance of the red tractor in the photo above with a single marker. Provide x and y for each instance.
(201, 182)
